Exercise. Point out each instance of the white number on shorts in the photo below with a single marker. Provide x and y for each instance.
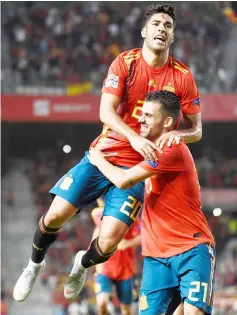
(197, 288)
(135, 205)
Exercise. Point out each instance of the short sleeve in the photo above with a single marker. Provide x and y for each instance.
(170, 161)
(190, 101)
(116, 77)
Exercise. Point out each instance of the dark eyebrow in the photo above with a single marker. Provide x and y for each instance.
(160, 21)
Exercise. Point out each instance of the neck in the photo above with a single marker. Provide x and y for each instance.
(155, 60)
(155, 139)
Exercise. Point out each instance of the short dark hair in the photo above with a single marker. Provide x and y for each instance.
(170, 102)
(159, 8)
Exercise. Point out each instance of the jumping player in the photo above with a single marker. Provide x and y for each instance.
(130, 77)
(176, 240)
(119, 270)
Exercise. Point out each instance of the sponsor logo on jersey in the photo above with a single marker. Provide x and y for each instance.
(112, 80)
(169, 88)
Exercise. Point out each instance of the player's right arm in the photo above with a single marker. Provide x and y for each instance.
(112, 93)
(171, 160)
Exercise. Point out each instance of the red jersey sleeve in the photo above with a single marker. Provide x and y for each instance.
(171, 160)
(190, 96)
(116, 77)
(135, 230)
(96, 215)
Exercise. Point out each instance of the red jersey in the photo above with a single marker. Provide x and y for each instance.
(131, 78)
(122, 264)
(172, 218)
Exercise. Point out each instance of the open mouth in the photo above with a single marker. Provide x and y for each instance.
(159, 39)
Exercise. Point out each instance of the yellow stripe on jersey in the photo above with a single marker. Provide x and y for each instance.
(176, 65)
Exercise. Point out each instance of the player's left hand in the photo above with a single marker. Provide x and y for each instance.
(94, 155)
(124, 244)
(169, 137)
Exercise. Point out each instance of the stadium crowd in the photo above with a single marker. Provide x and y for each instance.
(74, 42)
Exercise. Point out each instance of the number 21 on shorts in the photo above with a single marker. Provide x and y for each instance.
(198, 287)
(131, 208)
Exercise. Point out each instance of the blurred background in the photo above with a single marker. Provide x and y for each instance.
(55, 56)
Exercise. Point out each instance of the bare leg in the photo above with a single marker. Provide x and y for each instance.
(192, 310)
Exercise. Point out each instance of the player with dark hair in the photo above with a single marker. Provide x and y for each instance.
(176, 240)
(131, 75)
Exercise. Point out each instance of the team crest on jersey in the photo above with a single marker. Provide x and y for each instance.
(168, 88)
(196, 101)
(151, 83)
(154, 164)
(112, 80)
(66, 183)
(143, 305)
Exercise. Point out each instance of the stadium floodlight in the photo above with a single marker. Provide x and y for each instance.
(67, 148)
(217, 212)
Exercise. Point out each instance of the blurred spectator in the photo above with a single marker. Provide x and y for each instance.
(59, 45)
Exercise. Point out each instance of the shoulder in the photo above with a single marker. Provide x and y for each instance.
(128, 56)
(179, 67)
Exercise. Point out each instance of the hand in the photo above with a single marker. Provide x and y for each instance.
(172, 137)
(145, 147)
(124, 244)
(95, 155)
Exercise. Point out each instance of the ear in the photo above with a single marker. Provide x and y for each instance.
(143, 32)
(172, 39)
(168, 122)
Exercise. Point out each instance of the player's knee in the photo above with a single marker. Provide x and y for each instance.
(59, 212)
(53, 219)
(107, 244)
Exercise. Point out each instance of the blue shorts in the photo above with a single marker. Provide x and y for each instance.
(123, 287)
(192, 273)
(84, 183)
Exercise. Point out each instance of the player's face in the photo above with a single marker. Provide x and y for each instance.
(152, 121)
(159, 32)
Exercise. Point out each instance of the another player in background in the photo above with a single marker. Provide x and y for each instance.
(119, 270)
(176, 240)
(132, 74)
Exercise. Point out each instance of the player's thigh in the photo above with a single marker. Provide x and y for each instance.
(192, 310)
(124, 204)
(196, 269)
(82, 184)
(179, 310)
(102, 287)
(158, 285)
(176, 305)
(59, 212)
(124, 291)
